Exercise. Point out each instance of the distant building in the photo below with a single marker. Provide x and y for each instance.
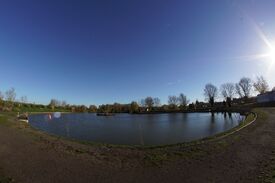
(266, 97)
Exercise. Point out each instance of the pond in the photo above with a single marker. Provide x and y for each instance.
(136, 129)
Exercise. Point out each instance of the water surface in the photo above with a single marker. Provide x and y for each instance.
(136, 129)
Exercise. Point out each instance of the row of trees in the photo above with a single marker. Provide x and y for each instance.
(57, 104)
(227, 91)
(8, 99)
(243, 89)
(9, 95)
(146, 104)
(173, 102)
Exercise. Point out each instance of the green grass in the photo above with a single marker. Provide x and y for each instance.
(6, 180)
(161, 156)
(271, 175)
(155, 159)
(262, 115)
(37, 109)
(4, 118)
(222, 144)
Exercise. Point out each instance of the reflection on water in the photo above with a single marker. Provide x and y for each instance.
(145, 129)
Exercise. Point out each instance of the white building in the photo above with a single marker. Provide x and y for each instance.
(266, 97)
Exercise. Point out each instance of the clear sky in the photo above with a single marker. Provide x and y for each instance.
(105, 51)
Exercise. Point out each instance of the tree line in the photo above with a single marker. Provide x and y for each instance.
(243, 90)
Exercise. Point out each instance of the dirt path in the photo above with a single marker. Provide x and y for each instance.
(30, 156)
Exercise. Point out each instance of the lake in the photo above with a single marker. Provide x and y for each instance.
(136, 129)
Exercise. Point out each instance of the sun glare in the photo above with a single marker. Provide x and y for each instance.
(272, 55)
(271, 60)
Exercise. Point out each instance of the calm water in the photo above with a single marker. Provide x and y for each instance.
(147, 129)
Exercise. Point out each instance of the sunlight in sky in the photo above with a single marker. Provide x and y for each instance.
(269, 56)
(272, 55)
(271, 64)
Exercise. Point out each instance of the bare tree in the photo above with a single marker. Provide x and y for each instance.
(245, 85)
(116, 107)
(157, 102)
(54, 103)
(134, 108)
(210, 93)
(92, 108)
(261, 85)
(227, 90)
(149, 102)
(24, 99)
(10, 95)
(238, 90)
(173, 102)
(142, 103)
(183, 101)
(1, 96)
(1, 100)
(63, 103)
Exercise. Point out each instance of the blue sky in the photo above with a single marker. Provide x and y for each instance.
(105, 51)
